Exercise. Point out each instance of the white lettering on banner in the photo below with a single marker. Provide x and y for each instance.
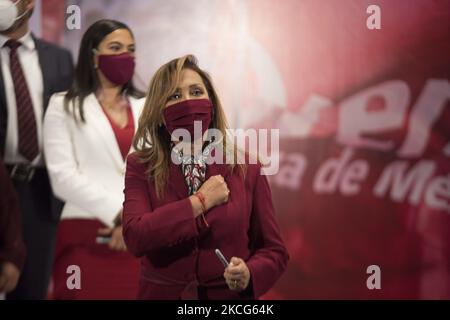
(358, 124)
(435, 96)
(399, 181)
(335, 173)
(394, 177)
(299, 124)
(437, 191)
(327, 177)
(291, 173)
(355, 120)
(73, 21)
(355, 173)
(374, 20)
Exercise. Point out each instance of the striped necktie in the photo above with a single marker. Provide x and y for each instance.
(26, 120)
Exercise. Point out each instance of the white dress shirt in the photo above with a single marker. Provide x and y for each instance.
(29, 60)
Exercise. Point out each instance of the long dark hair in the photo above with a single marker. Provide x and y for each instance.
(86, 80)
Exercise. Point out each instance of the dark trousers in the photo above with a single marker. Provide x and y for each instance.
(39, 226)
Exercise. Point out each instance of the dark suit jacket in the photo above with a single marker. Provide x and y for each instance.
(177, 251)
(12, 248)
(57, 73)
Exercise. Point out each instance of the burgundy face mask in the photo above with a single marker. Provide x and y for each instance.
(118, 68)
(183, 114)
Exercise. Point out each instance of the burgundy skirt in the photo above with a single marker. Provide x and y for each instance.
(104, 273)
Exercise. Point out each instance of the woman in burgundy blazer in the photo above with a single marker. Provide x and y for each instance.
(176, 214)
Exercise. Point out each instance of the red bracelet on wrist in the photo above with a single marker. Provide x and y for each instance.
(201, 197)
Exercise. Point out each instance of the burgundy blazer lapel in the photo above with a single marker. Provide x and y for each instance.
(215, 169)
(176, 183)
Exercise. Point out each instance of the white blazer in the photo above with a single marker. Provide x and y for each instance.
(84, 161)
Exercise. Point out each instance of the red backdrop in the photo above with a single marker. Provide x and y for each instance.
(364, 171)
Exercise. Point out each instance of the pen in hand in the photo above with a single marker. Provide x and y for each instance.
(221, 258)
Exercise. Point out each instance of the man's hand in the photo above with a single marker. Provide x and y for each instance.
(8, 278)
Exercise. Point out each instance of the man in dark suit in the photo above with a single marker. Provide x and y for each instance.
(12, 249)
(31, 71)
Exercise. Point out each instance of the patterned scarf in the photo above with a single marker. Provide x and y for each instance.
(194, 168)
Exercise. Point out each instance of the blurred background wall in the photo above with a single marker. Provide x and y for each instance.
(364, 119)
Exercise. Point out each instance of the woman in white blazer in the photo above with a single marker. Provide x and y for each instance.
(88, 132)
